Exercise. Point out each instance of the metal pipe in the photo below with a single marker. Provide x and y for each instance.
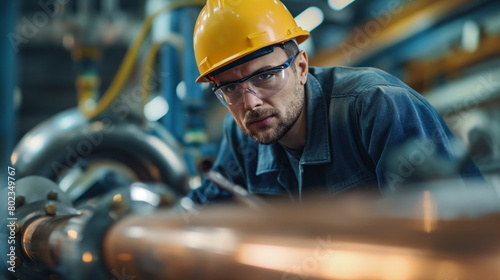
(67, 139)
(316, 241)
(42, 240)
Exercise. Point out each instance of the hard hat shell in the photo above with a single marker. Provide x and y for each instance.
(227, 30)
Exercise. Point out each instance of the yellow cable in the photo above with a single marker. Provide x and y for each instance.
(128, 63)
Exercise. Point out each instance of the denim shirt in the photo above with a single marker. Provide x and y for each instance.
(356, 118)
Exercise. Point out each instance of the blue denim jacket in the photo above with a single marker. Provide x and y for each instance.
(356, 117)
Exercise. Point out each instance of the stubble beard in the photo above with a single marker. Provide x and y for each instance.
(267, 135)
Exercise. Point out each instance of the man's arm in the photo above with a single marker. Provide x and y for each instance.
(407, 139)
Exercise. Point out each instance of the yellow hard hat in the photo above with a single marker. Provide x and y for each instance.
(227, 30)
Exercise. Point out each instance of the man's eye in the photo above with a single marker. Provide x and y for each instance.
(266, 75)
(230, 88)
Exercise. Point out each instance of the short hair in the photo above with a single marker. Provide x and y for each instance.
(290, 48)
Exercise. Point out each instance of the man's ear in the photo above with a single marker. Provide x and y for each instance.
(302, 66)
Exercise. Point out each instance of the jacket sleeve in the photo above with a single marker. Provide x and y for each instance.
(407, 139)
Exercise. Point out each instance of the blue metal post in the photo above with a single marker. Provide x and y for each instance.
(195, 137)
(8, 49)
(171, 65)
(186, 117)
(194, 99)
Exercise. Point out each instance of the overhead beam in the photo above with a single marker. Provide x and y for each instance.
(388, 27)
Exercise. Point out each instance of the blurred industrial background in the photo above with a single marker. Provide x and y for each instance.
(446, 50)
(100, 93)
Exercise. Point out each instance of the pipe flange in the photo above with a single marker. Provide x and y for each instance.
(84, 259)
(32, 204)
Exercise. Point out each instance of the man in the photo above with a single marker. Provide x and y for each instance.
(295, 129)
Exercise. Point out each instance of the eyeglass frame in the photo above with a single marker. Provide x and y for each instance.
(242, 80)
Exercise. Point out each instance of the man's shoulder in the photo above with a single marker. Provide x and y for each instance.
(352, 81)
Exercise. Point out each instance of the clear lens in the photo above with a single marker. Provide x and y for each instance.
(262, 85)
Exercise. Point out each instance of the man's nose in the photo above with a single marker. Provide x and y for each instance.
(250, 99)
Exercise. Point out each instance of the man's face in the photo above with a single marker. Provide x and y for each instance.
(267, 120)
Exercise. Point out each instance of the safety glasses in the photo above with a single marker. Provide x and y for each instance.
(263, 84)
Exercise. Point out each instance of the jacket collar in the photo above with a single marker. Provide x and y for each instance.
(317, 148)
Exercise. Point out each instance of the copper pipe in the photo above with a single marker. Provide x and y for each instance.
(317, 241)
(42, 240)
